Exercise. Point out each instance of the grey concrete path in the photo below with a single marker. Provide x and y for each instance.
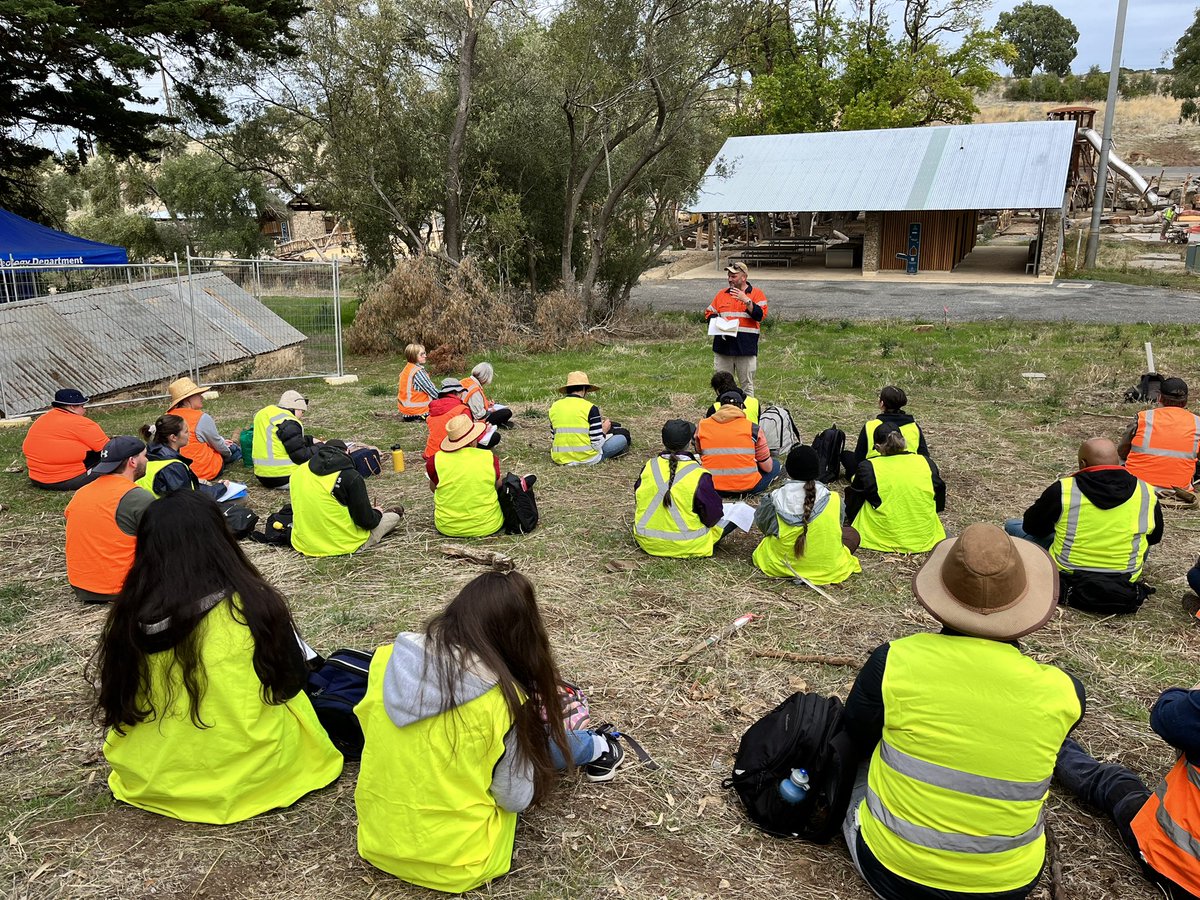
(1064, 301)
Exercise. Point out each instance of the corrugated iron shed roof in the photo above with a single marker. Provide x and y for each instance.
(114, 338)
(1008, 165)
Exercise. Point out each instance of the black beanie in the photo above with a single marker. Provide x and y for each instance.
(803, 464)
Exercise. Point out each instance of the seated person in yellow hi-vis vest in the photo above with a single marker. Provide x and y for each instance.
(961, 730)
(280, 444)
(735, 450)
(201, 678)
(464, 478)
(1097, 524)
(1160, 446)
(580, 435)
(722, 382)
(167, 470)
(894, 499)
(455, 744)
(676, 507)
(331, 512)
(801, 522)
(892, 401)
(1160, 828)
(102, 521)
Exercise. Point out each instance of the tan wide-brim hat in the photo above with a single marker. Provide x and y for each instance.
(461, 431)
(577, 380)
(181, 389)
(987, 584)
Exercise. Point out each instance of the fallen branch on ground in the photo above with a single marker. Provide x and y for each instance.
(490, 558)
(808, 657)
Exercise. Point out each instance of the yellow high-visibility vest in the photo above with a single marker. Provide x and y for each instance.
(674, 530)
(907, 519)
(572, 432)
(1090, 539)
(270, 458)
(912, 437)
(465, 502)
(826, 559)
(321, 526)
(972, 729)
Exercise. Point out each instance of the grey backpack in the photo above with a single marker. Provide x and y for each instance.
(782, 434)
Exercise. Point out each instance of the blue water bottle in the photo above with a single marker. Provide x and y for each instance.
(794, 788)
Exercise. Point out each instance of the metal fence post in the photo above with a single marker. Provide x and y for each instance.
(337, 316)
(4, 351)
(192, 305)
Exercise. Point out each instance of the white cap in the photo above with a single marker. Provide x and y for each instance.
(293, 400)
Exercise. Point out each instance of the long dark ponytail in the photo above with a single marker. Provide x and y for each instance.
(810, 497)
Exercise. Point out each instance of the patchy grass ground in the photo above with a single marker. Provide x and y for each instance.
(998, 438)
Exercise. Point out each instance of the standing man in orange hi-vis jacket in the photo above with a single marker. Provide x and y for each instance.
(735, 347)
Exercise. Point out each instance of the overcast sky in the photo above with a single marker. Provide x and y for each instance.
(1151, 28)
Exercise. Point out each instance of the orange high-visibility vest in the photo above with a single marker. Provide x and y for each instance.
(1163, 452)
(437, 428)
(206, 462)
(410, 401)
(473, 387)
(99, 553)
(729, 308)
(1167, 827)
(727, 453)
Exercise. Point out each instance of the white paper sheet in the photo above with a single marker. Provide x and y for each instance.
(719, 326)
(233, 492)
(741, 514)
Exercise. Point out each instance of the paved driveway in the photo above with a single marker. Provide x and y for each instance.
(1064, 301)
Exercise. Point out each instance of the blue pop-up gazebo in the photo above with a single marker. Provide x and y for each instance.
(25, 243)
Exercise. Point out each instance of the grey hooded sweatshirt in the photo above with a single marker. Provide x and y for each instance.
(787, 502)
(412, 692)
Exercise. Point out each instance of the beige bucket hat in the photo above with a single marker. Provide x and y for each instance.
(461, 431)
(987, 584)
(182, 388)
(578, 380)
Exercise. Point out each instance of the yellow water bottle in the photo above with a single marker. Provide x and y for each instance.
(397, 458)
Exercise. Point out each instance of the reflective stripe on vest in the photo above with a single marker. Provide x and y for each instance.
(681, 531)
(1164, 447)
(910, 430)
(1180, 836)
(1107, 545)
(465, 502)
(727, 452)
(906, 520)
(321, 526)
(569, 419)
(410, 401)
(268, 450)
(958, 780)
(473, 387)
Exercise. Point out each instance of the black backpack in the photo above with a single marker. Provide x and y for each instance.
(1147, 390)
(334, 689)
(804, 731)
(240, 520)
(829, 445)
(277, 528)
(518, 503)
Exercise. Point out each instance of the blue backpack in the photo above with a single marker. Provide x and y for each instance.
(335, 688)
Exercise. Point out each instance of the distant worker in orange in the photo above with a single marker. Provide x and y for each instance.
(737, 352)
(102, 522)
(208, 451)
(1160, 445)
(62, 445)
(416, 388)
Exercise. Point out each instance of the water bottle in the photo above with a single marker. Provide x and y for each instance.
(794, 788)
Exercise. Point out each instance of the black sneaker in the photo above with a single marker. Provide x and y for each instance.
(604, 767)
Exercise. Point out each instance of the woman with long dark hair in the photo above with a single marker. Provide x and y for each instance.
(802, 526)
(200, 678)
(456, 742)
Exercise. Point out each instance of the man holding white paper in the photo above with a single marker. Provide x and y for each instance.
(734, 317)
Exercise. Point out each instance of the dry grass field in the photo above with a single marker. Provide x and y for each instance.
(672, 833)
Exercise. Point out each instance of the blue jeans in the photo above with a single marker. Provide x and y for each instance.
(235, 454)
(768, 477)
(1193, 577)
(1111, 788)
(1016, 528)
(614, 445)
(581, 745)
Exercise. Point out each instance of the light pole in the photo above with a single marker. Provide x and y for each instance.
(1110, 113)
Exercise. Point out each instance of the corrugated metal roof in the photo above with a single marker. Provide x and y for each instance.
(114, 338)
(1008, 165)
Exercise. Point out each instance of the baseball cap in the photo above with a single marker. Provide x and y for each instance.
(735, 267)
(116, 451)
(737, 398)
(1175, 387)
(293, 400)
(676, 434)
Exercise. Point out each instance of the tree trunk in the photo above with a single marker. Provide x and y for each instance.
(452, 227)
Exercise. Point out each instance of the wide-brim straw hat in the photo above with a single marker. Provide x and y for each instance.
(181, 389)
(988, 584)
(461, 431)
(577, 380)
